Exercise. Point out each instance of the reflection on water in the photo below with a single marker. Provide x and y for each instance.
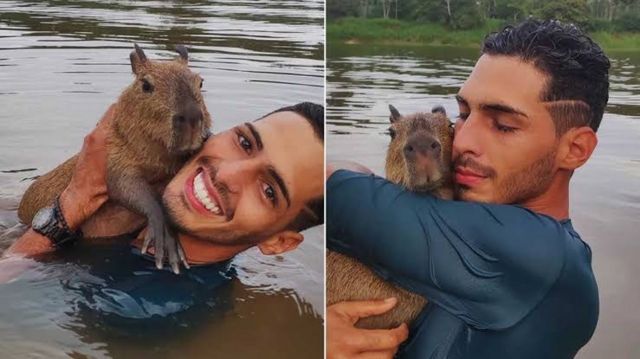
(605, 205)
(63, 62)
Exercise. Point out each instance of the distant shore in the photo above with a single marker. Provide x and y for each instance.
(390, 31)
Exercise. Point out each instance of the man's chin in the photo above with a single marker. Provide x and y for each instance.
(172, 214)
(463, 193)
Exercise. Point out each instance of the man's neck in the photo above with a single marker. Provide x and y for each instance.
(199, 251)
(555, 201)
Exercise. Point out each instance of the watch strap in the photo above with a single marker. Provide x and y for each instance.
(57, 229)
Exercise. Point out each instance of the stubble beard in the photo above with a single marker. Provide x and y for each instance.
(173, 205)
(521, 186)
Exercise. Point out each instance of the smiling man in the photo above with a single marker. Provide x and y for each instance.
(257, 184)
(505, 272)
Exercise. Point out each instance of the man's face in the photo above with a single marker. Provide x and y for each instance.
(505, 143)
(249, 182)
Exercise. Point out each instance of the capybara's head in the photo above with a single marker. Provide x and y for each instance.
(419, 155)
(166, 100)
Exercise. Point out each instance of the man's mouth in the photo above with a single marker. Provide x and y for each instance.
(468, 177)
(202, 195)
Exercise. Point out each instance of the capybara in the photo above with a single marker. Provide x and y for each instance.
(418, 158)
(159, 121)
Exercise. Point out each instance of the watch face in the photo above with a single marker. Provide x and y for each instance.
(42, 218)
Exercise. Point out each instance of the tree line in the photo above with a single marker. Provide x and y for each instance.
(594, 15)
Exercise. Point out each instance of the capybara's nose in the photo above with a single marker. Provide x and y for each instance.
(422, 146)
(190, 115)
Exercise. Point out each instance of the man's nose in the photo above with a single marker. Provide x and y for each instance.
(237, 173)
(422, 146)
(467, 137)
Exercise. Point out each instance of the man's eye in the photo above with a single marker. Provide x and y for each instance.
(505, 129)
(462, 116)
(244, 143)
(270, 193)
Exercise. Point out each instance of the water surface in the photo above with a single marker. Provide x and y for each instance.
(61, 64)
(605, 205)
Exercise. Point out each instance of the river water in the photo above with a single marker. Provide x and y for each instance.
(605, 205)
(62, 63)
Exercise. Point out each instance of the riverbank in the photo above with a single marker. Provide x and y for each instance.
(390, 31)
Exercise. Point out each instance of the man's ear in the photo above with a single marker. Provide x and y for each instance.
(282, 242)
(577, 146)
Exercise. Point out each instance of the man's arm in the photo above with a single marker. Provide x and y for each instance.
(86, 192)
(345, 165)
(487, 264)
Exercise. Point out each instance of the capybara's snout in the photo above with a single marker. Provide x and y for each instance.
(190, 127)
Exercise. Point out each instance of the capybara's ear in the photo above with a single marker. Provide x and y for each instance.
(138, 59)
(439, 109)
(184, 54)
(395, 114)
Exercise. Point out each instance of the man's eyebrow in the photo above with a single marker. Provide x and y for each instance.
(283, 188)
(499, 107)
(255, 134)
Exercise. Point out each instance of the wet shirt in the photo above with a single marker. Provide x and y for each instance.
(118, 287)
(501, 281)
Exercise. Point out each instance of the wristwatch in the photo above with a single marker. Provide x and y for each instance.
(49, 222)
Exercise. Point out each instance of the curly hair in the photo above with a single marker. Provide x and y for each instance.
(577, 89)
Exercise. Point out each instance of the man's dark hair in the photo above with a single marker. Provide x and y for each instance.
(313, 112)
(313, 212)
(577, 68)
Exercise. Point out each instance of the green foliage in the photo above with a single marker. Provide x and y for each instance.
(574, 11)
(590, 15)
(465, 14)
(342, 8)
(399, 31)
(596, 24)
(427, 10)
(617, 41)
(512, 10)
(391, 31)
(628, 22)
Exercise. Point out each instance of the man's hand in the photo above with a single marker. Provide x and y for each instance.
(345, 341)
(87, 190)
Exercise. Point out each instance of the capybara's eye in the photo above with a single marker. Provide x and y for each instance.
(392, 133)
(201, 82)
(146, 86)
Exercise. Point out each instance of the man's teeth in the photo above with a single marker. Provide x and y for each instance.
(203, 196)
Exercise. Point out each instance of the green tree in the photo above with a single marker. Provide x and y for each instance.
(342, 8)
(512, 10)
(574, 11)
(464, 14)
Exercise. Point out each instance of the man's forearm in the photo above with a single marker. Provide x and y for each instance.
(33, 243)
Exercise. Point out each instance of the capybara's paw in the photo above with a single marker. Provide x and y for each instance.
(165, 245)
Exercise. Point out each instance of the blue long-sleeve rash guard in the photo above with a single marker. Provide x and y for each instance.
(502, 281)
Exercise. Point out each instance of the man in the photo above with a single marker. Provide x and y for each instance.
(505, 273)
(257, 184)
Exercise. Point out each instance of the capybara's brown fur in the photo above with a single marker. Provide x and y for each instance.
(418, 158)
(159, 121)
